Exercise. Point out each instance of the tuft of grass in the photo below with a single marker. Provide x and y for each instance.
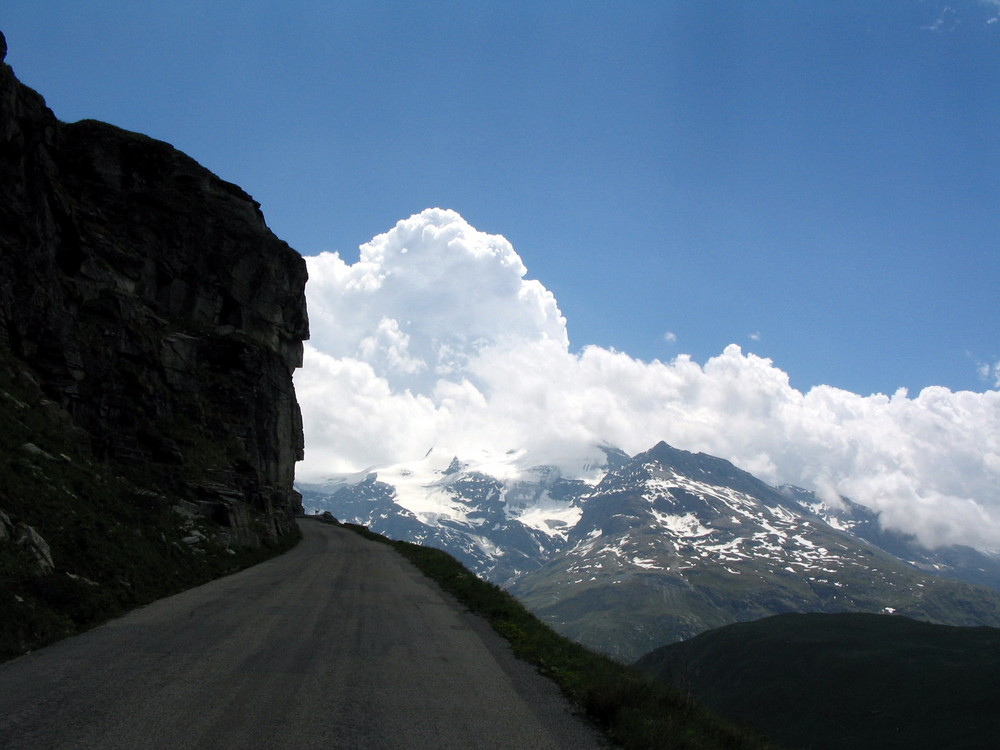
(633, 711)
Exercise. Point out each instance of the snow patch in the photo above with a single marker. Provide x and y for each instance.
(687, 525)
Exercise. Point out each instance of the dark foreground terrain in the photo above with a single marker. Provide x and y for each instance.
(338, 643)
(845, 681)
(150, 323)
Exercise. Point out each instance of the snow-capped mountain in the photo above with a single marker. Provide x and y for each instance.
(634, 553)
(954, 561)
(673, 543)
(499, 514)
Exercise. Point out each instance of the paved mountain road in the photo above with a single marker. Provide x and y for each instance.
(340, 643)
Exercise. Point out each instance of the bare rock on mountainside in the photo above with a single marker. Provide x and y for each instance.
(155, 311)
(668, 544)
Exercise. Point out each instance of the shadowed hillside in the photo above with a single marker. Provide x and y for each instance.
(839, 681)
(150, 323)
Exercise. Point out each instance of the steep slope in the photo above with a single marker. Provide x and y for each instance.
(153, 305)
(673, 543)
(851, 681)
(150, 323)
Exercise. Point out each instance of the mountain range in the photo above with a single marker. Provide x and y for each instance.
(629, 553)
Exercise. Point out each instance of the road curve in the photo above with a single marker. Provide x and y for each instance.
(340, 643)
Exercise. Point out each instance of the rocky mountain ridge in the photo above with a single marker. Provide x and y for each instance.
(675, 544)
(660, 546)
(498, 517)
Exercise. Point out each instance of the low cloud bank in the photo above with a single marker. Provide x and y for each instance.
(434, 338)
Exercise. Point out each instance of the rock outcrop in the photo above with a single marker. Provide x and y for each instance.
(155, 310)
(25, 536)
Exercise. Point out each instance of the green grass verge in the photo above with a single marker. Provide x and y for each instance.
(634, 712)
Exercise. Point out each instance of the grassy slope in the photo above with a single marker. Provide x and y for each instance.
(115, 540)
(846, 680)
(634, 711)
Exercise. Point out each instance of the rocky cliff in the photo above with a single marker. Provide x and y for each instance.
(154, 312)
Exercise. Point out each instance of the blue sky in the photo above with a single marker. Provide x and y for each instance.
(739, 221)
(816, 182)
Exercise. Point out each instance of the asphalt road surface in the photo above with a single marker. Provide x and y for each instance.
(340, 643)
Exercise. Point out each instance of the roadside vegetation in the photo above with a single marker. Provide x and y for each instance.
(81, 542)
(633, 711)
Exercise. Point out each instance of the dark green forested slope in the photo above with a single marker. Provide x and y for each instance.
(845, 681)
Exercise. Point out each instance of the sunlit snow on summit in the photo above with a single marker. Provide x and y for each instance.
(436, 338)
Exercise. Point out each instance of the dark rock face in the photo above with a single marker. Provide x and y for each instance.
(154, 307)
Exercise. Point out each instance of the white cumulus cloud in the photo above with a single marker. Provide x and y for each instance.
(435, 338)
(424, 298)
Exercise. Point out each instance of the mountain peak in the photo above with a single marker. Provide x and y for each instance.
(667, 544)
(712, 469)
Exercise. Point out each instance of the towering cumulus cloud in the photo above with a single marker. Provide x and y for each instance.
(434, 338)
